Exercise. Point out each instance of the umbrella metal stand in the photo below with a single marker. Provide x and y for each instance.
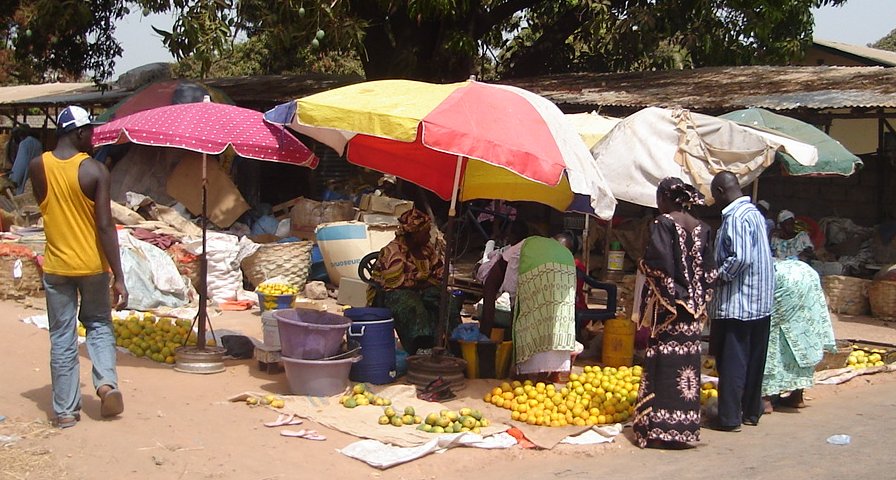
(201, 358)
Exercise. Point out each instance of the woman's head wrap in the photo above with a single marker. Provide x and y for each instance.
(682, 194)
(785, 215)
(413, 221)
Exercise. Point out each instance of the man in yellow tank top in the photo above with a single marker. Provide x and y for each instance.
(82, 248)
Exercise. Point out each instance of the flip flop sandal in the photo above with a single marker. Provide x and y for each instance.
(112, 403)
(284, 420)
(306, 434)
(67, 421)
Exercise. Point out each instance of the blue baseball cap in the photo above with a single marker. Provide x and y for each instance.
(73, 118)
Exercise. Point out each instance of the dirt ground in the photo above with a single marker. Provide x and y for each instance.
(179, 426)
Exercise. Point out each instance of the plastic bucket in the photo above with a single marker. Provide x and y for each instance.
(318, 378)
(486, 359)
(619, 342)
(309, 334)
(373, 328)
(615, 260)
(270, 329)
(275, 302)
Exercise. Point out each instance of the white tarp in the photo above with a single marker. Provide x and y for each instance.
(655, 143)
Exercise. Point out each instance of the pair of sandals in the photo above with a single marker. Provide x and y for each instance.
(111, 404)
(290, 419)
(436, 391)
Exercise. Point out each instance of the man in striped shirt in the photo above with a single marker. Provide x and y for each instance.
(742, 306)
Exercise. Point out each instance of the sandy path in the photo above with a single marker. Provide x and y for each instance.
(179, 426)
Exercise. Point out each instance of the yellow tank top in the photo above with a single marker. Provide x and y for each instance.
(73, 247)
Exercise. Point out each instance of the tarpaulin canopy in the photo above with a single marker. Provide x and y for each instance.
(833, 158)
(655, 143)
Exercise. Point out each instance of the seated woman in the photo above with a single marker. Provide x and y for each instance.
(409, 271)
(540, 275)
(787, 242)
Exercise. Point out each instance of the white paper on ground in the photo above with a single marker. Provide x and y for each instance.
(381, 455)
(43, 322)
(597, 434)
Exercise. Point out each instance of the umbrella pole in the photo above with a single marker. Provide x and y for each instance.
(756, 190)
(203, 263)
(586, 252)
(441, 337)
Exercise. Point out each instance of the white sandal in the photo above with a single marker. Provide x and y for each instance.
(306, 434)
(284, 420)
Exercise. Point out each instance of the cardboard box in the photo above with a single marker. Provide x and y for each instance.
(352, 292)
(225, 203)
(383, 204)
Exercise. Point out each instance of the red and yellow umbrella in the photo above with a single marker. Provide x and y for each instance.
(462, 141)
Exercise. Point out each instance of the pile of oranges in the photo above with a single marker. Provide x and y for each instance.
(154, 338)
(595, 397)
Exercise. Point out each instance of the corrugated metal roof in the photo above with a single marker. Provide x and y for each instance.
(259, 92)
(723, 88)
(19, 93)
(884, 57)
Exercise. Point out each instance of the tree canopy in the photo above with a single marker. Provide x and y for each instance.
(440, 40)
(886, 43)
(56, 40)
(435, 40)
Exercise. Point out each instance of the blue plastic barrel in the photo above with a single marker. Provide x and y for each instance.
(373, 328)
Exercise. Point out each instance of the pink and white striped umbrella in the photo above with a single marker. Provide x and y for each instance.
(208, 128)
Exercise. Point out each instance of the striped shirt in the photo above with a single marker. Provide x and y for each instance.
(746, 282)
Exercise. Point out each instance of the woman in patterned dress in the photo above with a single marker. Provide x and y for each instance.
(679, 271)
(409, 271)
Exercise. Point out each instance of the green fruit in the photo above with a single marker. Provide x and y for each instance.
(315, 43)
(432, 419)
(384, 420)
(407, 420)
(417, 419)
(452, 415)
(476, 414)
(422, 427)
(351, 403)
(396, 422)
(319, 35)
(475, 430)
(438, 429)
(484, 422)
(469, 422)
(443, 422)
(389, 411)
(301, 11)
(465, 412)
(409, 411)
(427, 428)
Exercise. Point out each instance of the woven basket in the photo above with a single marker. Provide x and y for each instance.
(882, 295)
(292, 261)
(832, 360)
(846, 295)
